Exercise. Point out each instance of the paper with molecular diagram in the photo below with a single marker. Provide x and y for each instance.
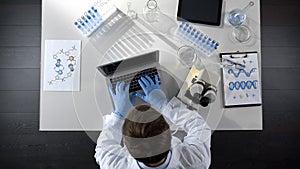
(62, 65)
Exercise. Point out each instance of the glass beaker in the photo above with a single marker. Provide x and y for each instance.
(151, 11)
(131, 13)
(237, 17)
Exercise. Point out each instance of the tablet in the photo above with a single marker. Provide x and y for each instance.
(201, 11)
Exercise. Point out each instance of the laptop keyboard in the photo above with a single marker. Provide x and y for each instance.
(133, 78)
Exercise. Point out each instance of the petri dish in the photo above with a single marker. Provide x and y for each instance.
(187, 55)
(241, 33)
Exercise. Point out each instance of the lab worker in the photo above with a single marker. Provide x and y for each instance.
(193, 152)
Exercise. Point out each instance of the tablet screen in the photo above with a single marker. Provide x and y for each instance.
(201, 11)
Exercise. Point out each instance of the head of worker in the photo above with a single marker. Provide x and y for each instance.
(147, 135)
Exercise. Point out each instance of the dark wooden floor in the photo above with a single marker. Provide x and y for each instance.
(23, 146)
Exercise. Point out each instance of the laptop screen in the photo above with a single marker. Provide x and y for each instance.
(143, 59)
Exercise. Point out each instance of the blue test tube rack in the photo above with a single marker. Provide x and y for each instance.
(90, 21)
(198, 39)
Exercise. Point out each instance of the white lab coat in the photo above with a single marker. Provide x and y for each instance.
(192, 153)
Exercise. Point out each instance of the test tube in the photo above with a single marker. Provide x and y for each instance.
(204, 39)
(193, 32)
(90, 19)
(209, 42)
(207, 46)
(87, 22)
(212, 48)
(196, 36)
(200, 37)
(94, 17)
(83, 25)
(216, 45)
(96, 12)
(189, 29)
(80, 28)
(181, 25)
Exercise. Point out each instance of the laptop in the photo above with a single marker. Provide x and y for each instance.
(130, 70)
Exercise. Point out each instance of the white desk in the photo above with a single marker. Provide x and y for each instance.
(83, 110)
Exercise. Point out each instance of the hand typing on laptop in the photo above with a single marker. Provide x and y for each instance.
(121, 99)
(124, 101)
(152, 92)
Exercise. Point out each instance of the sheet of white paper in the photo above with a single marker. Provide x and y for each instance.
(62, 65)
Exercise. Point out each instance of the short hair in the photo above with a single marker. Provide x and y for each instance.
(146, 134)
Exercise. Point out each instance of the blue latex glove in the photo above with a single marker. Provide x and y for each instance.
(121, 99)
(153, 94)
